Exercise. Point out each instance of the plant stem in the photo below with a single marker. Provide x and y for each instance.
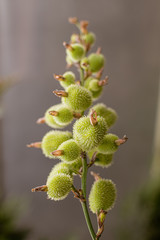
(81, 76)
(84, 204)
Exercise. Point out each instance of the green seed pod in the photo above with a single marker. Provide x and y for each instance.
(89, 38)
(69, 60)
(84, 63)
(70, 151)
(102, 195)
(74, 38)
(60, 168)
(108, 113)
(88, 136)
(92, 85)
(69, 78)
(78, 99)
(52, 140)
(49, 119)
(108, 144)
(75, 52)
(62, 115)
(96, 62)
(59, 186)
(75, 166)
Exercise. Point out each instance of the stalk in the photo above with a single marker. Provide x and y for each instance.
(84, 204)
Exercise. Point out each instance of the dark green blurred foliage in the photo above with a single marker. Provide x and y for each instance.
(140, 219)
(8, 227)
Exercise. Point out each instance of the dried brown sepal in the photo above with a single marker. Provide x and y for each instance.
(100, 220)
(121, 141)
(99, 74)
(42, 188)
(57, 153)
(68, 46)
(78, 194)
(103, 82)
(99, 50)
(95, 175)
(60, 93)
(83, 26)
(59, 77)
(35, 145)
(93, 117)
(77, 115)
(73, 20)
(53, 113)
(93, 159)
(41, 120)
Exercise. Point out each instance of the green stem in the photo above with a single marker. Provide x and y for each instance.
(81, 76)
(84, 204)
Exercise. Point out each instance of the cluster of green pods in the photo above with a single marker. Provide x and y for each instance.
(90, 130)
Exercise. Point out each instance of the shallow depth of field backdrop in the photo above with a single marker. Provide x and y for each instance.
(31, 37)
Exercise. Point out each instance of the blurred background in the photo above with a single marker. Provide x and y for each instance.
(31, 50)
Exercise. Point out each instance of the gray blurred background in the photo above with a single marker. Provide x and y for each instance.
(31, 37)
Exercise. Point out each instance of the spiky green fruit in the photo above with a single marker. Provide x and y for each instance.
(49, 120)
(69, 60)
(76, 52)
(75, 166)
(59, 186)
(52, 140)
(92, 85)
(84, 63)
(69, 78)
(108, 144)
(102, 195)
(96, 62)
(64, 115)
(70, 151)
(79, 98)
(60, 168)
(87, 135)
(89, 38)
(109, 114)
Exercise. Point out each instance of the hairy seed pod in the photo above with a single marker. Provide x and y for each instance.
(69, 61)
(96, 62)
(102, 195)
(63, 116)
(84, 63)
(49, 119)
(59, 186)
(69, 78)
(71, 151)
(88, 136)
(60, 168)
(79, 98)
(109, 114)
(75, 38)
(102, 160)
(89, 38)
(92, 85)
(52, 140)
(75, 52)
(75, 166)
(108, 144)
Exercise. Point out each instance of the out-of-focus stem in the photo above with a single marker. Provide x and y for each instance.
(155, 167)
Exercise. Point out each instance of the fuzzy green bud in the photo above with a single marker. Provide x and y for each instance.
(78, 99)
(75, 52)
(59, 186)
(60, 168)
(101, 160)
(69, 78)
(70, 151)
(89, 38)
(61, 115)
(84, 63)
(92, 84)
(102, 195)
(49, 119)
(109, 114)
(74, 38)
(88, 136)
(108, 144)
(52, 140)
(96, 62)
